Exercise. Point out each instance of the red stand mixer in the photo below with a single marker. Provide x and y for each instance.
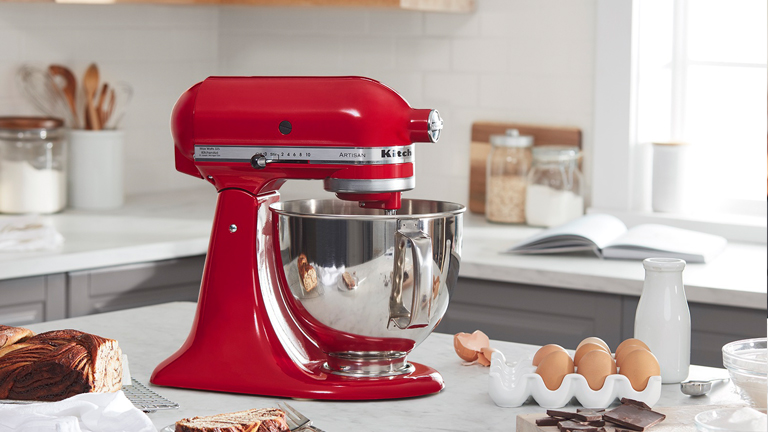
(319, 299)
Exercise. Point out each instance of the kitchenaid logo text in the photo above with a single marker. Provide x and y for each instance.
(395, 153)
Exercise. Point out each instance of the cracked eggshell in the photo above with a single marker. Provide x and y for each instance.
(484, 358)
(468, 346)
(544, 351)
(554, 367)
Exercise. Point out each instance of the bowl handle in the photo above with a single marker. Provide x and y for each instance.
(421, 249)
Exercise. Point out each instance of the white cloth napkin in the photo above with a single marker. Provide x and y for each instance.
(88, 412)
(28, 233)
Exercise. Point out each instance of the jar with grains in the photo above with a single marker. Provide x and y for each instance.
(554, 194)
(32, 165)
(508, 165)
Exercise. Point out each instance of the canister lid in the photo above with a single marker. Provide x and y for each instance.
(555, 153)
(512, 138)
(30, 127)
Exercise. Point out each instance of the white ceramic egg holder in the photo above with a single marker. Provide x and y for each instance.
(510, 386)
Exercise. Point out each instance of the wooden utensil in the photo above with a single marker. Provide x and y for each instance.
(480, 147)
(62, 74)
(100, 110)
(90, 86)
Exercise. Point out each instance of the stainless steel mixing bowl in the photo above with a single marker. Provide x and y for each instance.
(365, 286)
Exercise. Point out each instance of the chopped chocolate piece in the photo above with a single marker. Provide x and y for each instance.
(621, 430)
(562, 414)
(547, 421)
(572, 426)
(589, 411)
(636, 403)
(595, 423)
(580, 416)
(633, 417)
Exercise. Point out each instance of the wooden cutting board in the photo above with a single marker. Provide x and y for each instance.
(480, 147)
(678, 419)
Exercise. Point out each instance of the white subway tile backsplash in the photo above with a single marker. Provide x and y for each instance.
(424, 53)
(479, 55)
(451, 89)
(512, 60)
(451, 25)
(383, 22)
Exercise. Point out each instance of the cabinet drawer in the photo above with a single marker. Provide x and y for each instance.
(134, 285)
(532, 314)
(32, 299)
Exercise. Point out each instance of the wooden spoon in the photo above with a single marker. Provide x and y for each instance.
(90, 85)
(69, 88)
(100, 104)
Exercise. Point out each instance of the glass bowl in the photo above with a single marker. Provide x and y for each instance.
(747, 364)
(742, 419)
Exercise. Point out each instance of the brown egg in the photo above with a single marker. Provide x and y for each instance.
(554, 367)
(625, 351)
(629, 342)
(587, 347)
(595, 366)
(468, 346)
(544, 351)
(594, 340)
(638, 367)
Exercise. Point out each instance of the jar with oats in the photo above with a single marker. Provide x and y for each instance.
(506, 173)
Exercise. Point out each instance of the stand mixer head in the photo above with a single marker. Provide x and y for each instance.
(313, 299)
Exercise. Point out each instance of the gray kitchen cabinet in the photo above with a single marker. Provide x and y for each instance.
(32, 299)
(532, 314)
(128, 286)
(543, 315)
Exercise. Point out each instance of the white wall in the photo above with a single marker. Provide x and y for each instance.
(514, 60)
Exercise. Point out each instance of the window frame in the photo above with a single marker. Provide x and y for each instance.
(619, 169)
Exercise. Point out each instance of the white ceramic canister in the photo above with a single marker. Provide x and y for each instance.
(96, 169)
(669, 175)
(663, 320)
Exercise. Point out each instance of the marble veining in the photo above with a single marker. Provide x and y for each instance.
(150, 334)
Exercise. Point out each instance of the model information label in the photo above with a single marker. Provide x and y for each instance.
(312, 155)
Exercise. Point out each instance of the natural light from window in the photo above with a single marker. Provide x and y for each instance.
(702, 79)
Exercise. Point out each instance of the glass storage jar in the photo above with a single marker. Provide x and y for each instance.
(32, 165)
(506, 171)
(554, 192)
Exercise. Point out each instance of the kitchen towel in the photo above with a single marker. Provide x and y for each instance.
(88, 412)
(28, 233)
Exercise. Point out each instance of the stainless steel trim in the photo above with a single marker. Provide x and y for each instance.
(311, 155)
(368, 364)
(435, 125)
(369, 185)
(337, 209)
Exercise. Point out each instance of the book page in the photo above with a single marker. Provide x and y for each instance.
(596, 230)
(670, 239)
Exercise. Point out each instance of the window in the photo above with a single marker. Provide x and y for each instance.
(690, 70)
(701, 78)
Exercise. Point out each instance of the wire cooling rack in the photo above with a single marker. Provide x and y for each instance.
(145, 399)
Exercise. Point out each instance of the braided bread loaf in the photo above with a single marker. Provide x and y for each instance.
(58, 364)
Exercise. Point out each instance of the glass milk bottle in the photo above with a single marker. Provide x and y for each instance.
(663, 320)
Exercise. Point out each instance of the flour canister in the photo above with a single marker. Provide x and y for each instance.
(32, 165)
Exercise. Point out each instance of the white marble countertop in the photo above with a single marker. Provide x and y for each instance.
(148, 335)
(174, 225)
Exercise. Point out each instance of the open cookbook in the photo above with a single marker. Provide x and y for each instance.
(608, 237)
